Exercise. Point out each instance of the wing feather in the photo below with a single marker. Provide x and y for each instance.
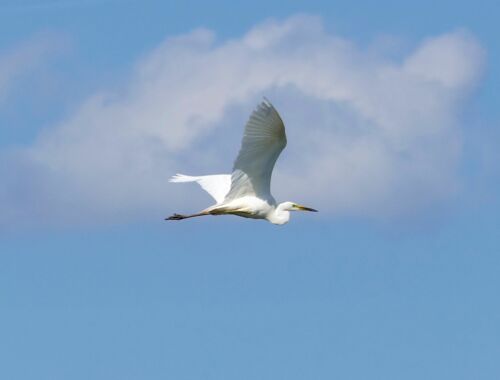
(217, 185)
(263, 140)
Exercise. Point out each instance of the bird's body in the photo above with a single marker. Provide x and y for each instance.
(246, 192)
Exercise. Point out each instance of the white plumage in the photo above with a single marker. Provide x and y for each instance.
(247, 191)
(217, 185)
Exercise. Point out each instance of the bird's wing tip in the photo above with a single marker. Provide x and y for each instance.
(266, 101)
(177, 178)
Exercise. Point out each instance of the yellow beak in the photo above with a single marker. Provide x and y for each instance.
(304, 208)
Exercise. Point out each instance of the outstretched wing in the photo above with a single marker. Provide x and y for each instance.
(217, 185)
(263, 140)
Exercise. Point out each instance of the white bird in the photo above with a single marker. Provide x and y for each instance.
(247, 191)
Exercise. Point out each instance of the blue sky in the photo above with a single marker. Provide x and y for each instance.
(391, 114)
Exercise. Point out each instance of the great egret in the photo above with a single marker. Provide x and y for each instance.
(246, 192)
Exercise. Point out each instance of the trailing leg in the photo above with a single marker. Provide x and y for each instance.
(180, 217)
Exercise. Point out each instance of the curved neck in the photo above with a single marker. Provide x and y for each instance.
(279, 215)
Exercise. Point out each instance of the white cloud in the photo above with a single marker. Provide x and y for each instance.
(368, 135)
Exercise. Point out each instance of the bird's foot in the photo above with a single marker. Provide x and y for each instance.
(176, 217)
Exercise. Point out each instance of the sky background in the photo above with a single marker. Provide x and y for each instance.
(392, 120)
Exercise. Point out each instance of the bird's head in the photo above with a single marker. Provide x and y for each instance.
(291, 206)
(281, 214)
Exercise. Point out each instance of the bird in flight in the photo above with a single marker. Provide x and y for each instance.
(247, 191)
